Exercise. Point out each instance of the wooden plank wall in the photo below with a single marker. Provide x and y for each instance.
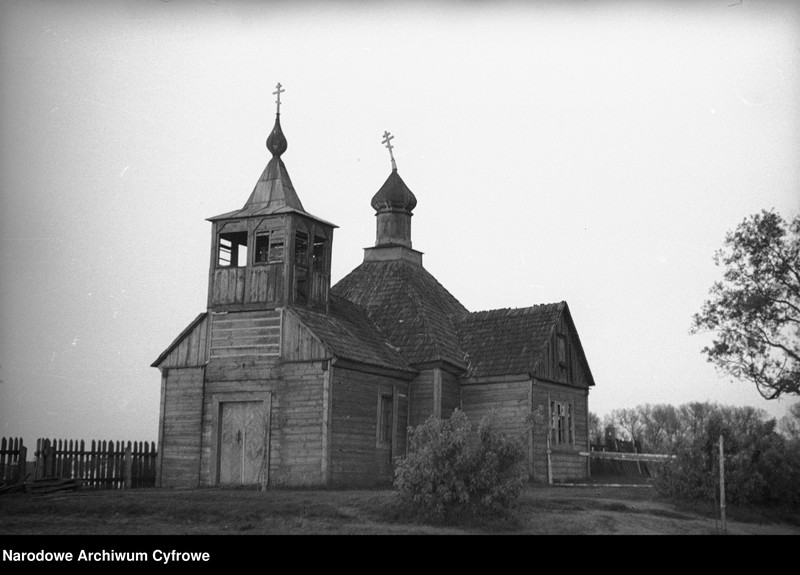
(356, 457)
(451, 394)
(181, 429)
(421, 398)
(265, 283)
(299, 343)
(191, 351)
(228, 286)
(296, 418)
(566, 462)
(510, 401)
(246, 334)
(549, 367)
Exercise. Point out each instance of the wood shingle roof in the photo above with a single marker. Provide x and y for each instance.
(349, 333)
(507, 341)
(409, 306)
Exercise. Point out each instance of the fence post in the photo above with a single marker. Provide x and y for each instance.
(22, 463)
(128, 472)
(722, 480)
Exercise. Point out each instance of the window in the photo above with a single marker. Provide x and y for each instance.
(562, 349)
(269, 247)
(232, 249)
(561, 423)
(301, 248)
(318, 254)
(385, 416)
(275, 247)
(262, 248)
(563, 366)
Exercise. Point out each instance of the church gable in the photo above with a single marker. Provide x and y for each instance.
(537, 341)
(188, 349)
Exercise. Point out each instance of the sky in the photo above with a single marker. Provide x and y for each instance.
(593, 152)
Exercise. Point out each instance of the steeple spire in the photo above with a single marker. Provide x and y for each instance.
(274, 190)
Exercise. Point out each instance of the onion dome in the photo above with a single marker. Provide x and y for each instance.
(394, 195)
(276, 141)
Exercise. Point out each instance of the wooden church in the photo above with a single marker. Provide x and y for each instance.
(287, 380)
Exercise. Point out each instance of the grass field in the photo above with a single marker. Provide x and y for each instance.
(554, 510)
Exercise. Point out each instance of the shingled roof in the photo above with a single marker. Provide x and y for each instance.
(349, 333)
(507, 341)
(413, 311)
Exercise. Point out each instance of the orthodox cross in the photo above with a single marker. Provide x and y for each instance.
(387, 141)
(278, 93)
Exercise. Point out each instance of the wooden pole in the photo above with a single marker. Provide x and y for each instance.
(722, 481)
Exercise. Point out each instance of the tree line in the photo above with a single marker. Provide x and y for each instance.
(762, 454)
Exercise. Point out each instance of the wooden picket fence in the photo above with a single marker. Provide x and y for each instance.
(105, 465)
(13, 455)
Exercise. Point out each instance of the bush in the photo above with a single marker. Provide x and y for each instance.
(444, 475)
(761, 466)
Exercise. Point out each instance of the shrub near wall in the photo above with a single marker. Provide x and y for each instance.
(443, 475)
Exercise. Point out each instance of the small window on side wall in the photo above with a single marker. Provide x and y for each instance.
(561, 423)
(232, 249)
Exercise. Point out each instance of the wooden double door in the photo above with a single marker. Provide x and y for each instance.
(244, 443)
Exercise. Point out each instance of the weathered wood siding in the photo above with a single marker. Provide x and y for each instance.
(180, 427)
(451, 393)
(299, 343)
(227, 286)
(246, 334)
(550, 368)
(265, 284)
(421, 397)
(566, 462)
(509, 400)
(296, 418)
(191, 351)
(357, 458)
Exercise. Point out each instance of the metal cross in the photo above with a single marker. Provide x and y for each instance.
(278, 93)
(387, 141)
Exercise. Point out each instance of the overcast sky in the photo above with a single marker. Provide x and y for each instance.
(593, 152)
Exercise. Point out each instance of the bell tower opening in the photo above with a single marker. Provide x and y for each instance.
(270, 253)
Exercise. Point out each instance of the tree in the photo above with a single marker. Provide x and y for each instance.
(754, 311)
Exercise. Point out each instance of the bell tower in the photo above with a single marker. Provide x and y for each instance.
(271, 253)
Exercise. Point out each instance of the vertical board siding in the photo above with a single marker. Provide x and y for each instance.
(181, 427)
(451, 393)
(246, 334)
(295, 450)
(299, 343)
(567, 463)
(228, 286)
(421, 398)
(549, 367)
(192, 349)
(356, 457)
(265, 283)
